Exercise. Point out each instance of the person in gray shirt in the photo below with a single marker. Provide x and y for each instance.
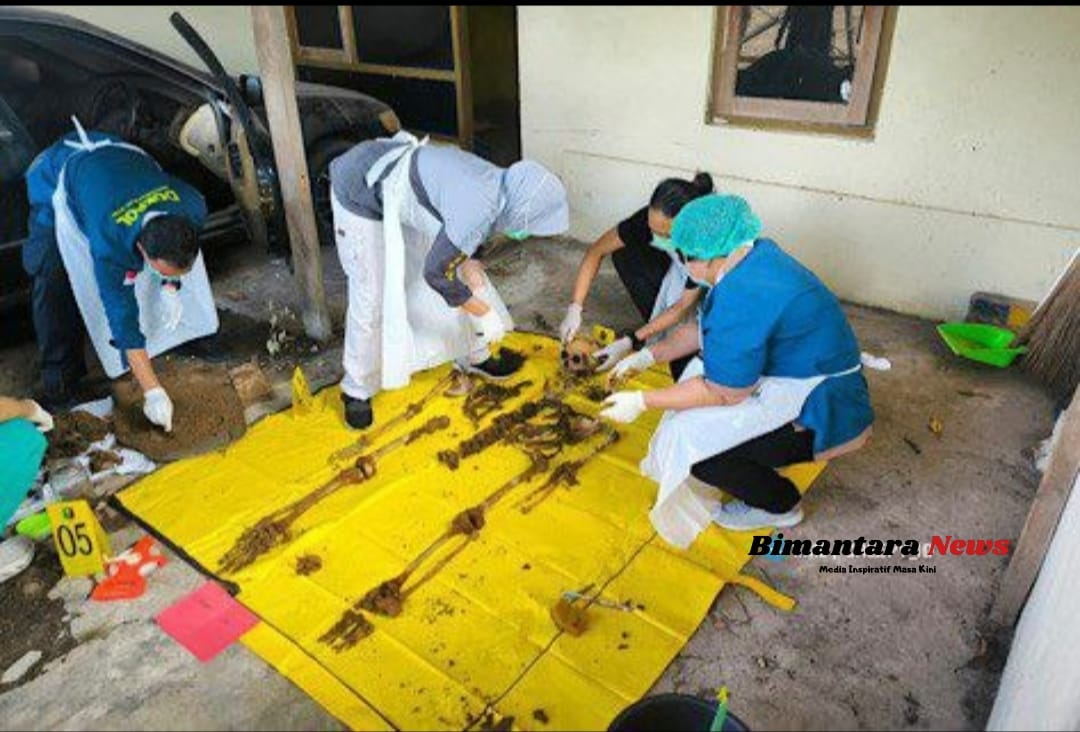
(445, 203)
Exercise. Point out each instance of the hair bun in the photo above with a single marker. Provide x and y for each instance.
(703, 183)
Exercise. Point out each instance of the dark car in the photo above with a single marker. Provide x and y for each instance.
(208, 129)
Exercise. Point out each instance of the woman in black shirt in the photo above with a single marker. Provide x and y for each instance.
(657, 283)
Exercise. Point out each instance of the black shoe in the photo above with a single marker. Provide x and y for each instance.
(72, 395)
(497, 368)
(55, 402)
(59, 397)
(358, 412)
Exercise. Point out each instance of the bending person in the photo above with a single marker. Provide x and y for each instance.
(778, 379)
(657, 282)
(408, 218)
(111, 236)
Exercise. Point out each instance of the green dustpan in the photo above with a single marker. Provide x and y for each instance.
(987, 344)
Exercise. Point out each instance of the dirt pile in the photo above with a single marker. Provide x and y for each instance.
(207, 412)
(73, 433)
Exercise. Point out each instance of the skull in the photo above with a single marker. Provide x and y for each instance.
(577, 356)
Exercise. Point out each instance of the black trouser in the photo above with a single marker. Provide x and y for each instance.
(747, 471)
(57, 321)
(642, 273)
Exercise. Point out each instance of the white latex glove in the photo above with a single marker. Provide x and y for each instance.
(633, 363)
(571, 323)
(610, 355)
(40, 417)
(489, 328)
(173, 308)
(624, 406)
(158, 408)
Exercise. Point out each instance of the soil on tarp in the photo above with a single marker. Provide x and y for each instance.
(308, 564)
(29, 620)
(386, 599)
(102, 460)
(207, 413)
(73, 433)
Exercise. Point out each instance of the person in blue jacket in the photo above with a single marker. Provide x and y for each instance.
(773, 337)
(131, 214)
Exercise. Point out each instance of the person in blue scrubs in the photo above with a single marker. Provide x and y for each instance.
(764, 315)
(133, 214)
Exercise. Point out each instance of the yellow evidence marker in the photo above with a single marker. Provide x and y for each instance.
(80, 541)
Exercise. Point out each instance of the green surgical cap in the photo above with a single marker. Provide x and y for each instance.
(713, 226)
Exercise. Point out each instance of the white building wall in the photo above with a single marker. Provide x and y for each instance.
(969, 182)
(1040, 688)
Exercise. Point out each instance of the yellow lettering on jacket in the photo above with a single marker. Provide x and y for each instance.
(132, 211)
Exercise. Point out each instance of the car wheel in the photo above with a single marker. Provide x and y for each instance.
(319, 158)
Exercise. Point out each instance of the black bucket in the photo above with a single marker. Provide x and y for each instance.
(673, 713)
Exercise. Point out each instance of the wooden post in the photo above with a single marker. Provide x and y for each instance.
(1054, 490)
(279, 90)
(459, 33)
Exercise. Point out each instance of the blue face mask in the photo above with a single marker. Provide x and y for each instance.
(662, 243)
(155, 276)
(160, 280)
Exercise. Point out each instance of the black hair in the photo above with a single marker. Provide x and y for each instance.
(172, 238)
(674, 193)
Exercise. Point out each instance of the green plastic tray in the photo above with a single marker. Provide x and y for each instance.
(987, 344)
(37, 526)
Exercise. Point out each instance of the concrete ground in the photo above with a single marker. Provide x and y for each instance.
(860, 651)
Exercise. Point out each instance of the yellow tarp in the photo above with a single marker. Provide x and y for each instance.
(476, 642)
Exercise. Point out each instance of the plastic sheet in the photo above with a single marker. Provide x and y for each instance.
(476, 642)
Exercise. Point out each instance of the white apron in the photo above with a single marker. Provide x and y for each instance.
(672, 288)
(396, 323)
(200, 315)
(686, 437)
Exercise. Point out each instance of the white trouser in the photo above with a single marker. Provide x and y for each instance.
(362, 254)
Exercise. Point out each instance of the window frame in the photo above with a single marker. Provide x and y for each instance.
(854, 117)
(342, 58)
(348, 59)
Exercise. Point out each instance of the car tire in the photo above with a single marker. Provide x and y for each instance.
(319, 158)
